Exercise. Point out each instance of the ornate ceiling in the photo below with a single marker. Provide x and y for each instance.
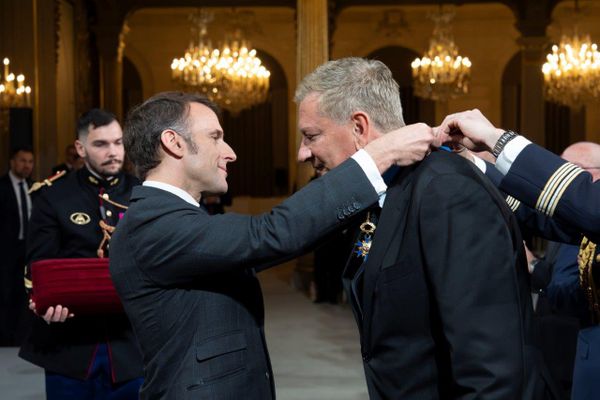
(533, 16)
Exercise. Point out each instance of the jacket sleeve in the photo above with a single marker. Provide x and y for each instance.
(556, 188)
(532, 220)
(469, 258)
(541, 225)
(186, 245)
(43, 240)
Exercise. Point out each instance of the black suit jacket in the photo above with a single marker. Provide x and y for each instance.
(187, 282)
(9, 215)
(445, 310)
(12, 264)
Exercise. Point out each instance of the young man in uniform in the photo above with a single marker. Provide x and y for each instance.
(95, 356)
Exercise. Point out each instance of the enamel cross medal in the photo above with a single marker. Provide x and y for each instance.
(363, 245)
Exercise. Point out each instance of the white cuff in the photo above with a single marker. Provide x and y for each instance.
(510, 153)
(479, 163)
(370, 169)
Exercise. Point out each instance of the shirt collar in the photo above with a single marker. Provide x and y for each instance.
(16, 180)
(182, 194)
(388, 176)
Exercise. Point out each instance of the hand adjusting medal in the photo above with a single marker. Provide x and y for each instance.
(363, 245)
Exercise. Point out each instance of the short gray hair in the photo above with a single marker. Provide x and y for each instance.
(352, 84)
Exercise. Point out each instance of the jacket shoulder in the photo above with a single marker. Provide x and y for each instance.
(131, 180)
(47, 185)
(444, 162)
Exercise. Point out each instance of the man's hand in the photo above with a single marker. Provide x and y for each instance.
(470, 129)
(53, 314)
(404, 146)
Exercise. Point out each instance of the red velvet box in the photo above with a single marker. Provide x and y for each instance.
(81, 284)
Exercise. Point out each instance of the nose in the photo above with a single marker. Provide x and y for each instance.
(228, 153)
(304, 153)
(112, 149)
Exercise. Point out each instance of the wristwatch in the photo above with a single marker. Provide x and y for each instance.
(502, 141)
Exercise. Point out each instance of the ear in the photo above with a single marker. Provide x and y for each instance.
(80, 148)
(171, 143)
(361, 129)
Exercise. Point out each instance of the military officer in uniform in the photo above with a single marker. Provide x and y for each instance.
(532, 174)
(567, 201)
(84, 357)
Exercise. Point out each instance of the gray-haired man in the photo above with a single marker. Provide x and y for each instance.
(442, 301)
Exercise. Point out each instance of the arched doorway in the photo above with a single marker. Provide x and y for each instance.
(398, 60)
(133, 92)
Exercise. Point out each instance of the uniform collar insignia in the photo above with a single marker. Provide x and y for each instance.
(93, 179)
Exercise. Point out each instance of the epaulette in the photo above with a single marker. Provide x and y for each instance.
(46, 182)
(588, 276)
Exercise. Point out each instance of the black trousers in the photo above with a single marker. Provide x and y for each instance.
(14, 314)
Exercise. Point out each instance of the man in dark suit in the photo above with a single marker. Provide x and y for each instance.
(15, 208)
(186, 279)
(442, 300)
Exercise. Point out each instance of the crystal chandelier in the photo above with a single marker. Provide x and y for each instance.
(232, 76)
(572, 71)
(13, 94)
(441, 74)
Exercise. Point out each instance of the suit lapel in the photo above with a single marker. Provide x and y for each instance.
(349, 277)
(391, 221)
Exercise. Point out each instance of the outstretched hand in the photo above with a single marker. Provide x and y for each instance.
(404, 146)
(470, 129)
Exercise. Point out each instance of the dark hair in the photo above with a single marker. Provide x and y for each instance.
(16, 150)
(94, 118)
(146, 122)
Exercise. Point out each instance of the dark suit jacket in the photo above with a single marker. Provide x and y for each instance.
(188, 285)
(9, 215)
(12, 264)
(445, 310)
